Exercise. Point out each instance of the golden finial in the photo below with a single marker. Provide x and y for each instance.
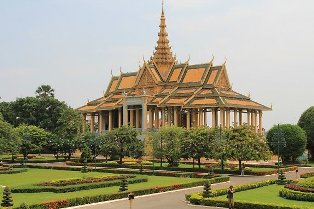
(189, 58)
(163, 4)
(111, 73)
(225, 61)
(121, 70)
(213, 57)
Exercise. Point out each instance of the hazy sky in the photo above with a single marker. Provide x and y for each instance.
(73, 44)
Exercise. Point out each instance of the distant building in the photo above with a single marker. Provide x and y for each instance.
(163, 92)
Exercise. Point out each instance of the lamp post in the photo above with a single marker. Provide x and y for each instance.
(279, 141)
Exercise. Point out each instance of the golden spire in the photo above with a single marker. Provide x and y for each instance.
(163, 57)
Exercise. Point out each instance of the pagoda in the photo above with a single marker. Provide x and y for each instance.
(164, 92)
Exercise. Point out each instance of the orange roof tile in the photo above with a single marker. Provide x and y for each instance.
(155, 74)
(166, 90)
(117, 96)
(206, 91)
(212, 77)
(176, 101)
(127, 82)
(204, 101)
(229, 92)
(87, 108)
(242, 102)
(194, 75)
(156, 100)
(113, 85)
(184, 91)
(175, 74)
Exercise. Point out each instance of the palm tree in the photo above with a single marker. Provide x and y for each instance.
(45, 91)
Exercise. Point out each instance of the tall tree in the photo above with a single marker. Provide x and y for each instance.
(294, 138)
(244, 144)
(126, 139)
(306, 122)
(9, 139)
(108, 145)
(45, 91)
(166, 144)
(33, 139)
(197, 143)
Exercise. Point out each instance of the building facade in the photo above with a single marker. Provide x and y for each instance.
(164, 92)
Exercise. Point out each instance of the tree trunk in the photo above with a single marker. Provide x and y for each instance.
(199, 162)
(240, 165)
(193, 162)
(120, 159)
(106, 158)
(161, 162)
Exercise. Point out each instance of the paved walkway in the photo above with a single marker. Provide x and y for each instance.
(176, 199)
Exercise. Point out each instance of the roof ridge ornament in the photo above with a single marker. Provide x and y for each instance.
(212, 60)
(121, 70)
(225, 61)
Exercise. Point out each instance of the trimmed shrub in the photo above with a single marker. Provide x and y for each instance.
(13, 171)
(296, 195)
(7, 200)
(66, 182)
(123, 185)
(207, 189)
(73, 188)
(307, 175)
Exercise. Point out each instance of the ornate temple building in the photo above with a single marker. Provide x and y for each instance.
(163, 93)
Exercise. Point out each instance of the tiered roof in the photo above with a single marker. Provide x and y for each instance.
(166, 83)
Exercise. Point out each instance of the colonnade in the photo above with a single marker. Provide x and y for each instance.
(148, 117)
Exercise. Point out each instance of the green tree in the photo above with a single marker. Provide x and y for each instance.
(166, 144)
(45, 91)
(295, 140)
(67, 131)
(126, 139)
(306, 122)
(94, 142)
(33, 139)
(7, 112)
(7, 200)
(9, 139)
(108, 145)
(244, 144)
(197, 143)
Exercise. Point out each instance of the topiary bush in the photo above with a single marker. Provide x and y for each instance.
(7, 200)
(281, 178)
(207, 189)
(123, 185)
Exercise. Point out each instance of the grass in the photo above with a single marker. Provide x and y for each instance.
(40, 175)
(267, 195)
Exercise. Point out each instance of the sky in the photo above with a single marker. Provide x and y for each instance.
(73, 45)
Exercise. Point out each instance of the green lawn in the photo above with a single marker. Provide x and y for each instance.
(40, 175)
(267, 195)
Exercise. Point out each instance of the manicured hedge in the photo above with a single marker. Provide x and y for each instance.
(197, 198)
(296, 195)
(73, 188)
(244, 187)
(13, 171)
(307, 175)
(100, 198)
(203, 170)
(75, 181)
(296, 187)
(308, 182)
